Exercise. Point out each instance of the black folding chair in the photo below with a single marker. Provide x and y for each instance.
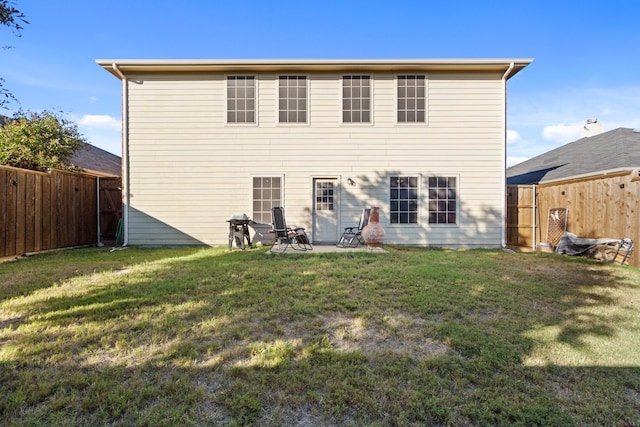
(352, 236)
(286, 237)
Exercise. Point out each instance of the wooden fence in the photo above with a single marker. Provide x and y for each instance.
(42, 211)
(597, 207)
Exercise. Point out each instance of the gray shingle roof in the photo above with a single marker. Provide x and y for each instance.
(615, 149)
(97, 160)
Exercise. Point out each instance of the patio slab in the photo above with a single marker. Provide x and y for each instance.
(322, 249)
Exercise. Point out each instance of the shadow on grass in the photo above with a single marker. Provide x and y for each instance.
(202, 336)
(26, 275)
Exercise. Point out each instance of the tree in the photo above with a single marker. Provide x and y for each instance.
(39, 141)
(12, 18)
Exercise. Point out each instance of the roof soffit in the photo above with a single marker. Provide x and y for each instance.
(226, 66)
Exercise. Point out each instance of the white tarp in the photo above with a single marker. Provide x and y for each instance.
(570, 244)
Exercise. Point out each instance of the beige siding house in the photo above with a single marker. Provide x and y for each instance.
(422, 139)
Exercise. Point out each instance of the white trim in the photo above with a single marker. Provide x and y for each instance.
(387, 208)
(336, 200)
(503, 231)
(299, 65)
(372, 109)
(426, 100)
(256, 109)
(250, 211)
(447, 175)
(307, 106)
(126, 197)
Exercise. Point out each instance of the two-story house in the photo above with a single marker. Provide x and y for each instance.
(424, 140)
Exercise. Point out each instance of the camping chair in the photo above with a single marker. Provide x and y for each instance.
(294, 238)
(623, 251)
(352, 236)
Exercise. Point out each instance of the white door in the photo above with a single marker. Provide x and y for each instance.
(325, 210)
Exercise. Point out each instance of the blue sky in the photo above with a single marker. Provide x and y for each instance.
(586, 54)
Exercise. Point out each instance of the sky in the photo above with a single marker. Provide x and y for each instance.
(586, 54)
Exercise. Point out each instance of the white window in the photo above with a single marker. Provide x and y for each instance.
(267, 193)
(292, 99)
(241, 99)
(403, 199)
(443, 200)
(411, 99)
(356, 99)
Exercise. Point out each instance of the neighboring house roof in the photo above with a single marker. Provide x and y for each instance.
(97, 161)
(121, 67)
(617, 149)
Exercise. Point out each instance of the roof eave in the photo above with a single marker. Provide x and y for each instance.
(142, 66)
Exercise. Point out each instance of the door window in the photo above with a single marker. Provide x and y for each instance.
(324, 196)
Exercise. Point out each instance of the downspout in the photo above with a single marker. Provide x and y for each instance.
(99, 244)
(125, 156)
(503, 231)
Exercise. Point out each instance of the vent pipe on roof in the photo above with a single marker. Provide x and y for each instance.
(591, 128)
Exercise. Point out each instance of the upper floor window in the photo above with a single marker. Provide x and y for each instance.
(356, 99)
(293, 99)
(403, 199)
(443, 200)
(241, 99)
(411, 99)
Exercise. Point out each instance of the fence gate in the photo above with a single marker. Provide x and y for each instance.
(110, 208)
(521, 216)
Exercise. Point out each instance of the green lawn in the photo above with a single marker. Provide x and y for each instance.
(410, 337)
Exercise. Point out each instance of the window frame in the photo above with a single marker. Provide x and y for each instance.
(447, 211)
(244, 77)
(417, 199)
(265, 213)
(297, 111)
(351, 99)
(425, 100)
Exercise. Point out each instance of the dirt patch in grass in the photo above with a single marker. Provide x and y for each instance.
(398, 333)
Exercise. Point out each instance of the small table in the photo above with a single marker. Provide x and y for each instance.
(239, 231)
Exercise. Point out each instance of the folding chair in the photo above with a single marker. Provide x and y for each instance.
(286, 237)
(352, 236)
(623, 251)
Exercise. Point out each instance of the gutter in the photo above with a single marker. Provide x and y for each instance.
(503, 232)
(310, 65)
(125, 155)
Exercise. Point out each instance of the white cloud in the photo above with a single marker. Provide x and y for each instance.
(513, 137)
(546, 119)
(99, 121)
(562, 134)
(93, 99)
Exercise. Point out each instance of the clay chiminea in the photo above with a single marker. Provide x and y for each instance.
(373, 233)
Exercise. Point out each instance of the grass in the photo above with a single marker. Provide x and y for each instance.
(412, 337)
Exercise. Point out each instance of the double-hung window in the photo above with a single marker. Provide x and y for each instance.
(403, 199)
(411, 99)
(267, 193)
(292, 99)
(241, 99)
(443, 200)
(356, 99)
